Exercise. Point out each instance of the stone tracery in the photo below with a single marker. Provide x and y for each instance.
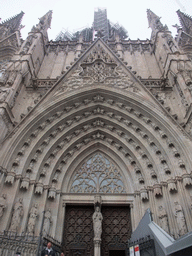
(97, 175)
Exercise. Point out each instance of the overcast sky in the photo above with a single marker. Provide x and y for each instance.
(76, 14)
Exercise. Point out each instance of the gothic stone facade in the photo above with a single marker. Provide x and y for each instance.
(107, 121)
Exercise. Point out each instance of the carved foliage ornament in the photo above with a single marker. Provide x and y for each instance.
(98, 67)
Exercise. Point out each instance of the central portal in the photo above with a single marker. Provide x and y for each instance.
(78, 230)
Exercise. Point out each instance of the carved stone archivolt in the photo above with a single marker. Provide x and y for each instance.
(96, 136)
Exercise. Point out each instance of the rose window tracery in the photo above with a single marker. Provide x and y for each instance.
(98, 175)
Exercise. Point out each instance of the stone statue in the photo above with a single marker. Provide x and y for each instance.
(17, 216)
(97, 223)
(47, 222)
(163, 219)
(180, 219)
(33, 214)
(3, 204)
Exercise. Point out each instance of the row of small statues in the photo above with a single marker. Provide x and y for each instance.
(18, 212)
(179, 215)
(17, 215)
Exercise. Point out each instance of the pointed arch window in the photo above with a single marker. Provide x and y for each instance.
(98, 174)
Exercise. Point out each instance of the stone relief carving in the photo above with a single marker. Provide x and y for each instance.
(99, 97)
(33, 214)
(25, 182)
(3, 204)
(10, 177)
(144, 195)
(52, 192)
(47, 222)
(180, 218)
(39, 187)
(17, 215)
(163, 219)
(97, 223)
(98, 70)
(98, 67)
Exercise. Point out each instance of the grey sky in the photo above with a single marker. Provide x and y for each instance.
(76, 14)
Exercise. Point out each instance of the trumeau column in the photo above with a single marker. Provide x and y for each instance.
(97, 225)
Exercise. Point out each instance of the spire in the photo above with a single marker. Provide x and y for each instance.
(44, 23)
(155, 23)
(13, 23)
(186, 22)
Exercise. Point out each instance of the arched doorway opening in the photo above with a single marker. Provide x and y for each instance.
(97, 176)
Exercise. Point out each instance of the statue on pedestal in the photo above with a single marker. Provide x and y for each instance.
(97, 223)
(33, 214)
(180, 219)
(47, 222)
(163, 219)
(17, 216)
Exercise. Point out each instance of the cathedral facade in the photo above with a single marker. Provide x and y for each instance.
(94, 124)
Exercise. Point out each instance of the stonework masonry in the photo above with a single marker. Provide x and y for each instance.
(108, 118)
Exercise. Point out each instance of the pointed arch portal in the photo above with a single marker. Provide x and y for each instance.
(97, 135)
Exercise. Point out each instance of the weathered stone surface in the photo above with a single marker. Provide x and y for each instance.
(93, 125)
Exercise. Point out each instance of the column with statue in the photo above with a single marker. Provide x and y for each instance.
(97, 226)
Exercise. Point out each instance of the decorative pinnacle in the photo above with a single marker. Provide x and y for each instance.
(155, 23)
(44, 23)
(13, 23)
(185, 21)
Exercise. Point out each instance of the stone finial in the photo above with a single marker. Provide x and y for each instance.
(44, 23)
(155, 23)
